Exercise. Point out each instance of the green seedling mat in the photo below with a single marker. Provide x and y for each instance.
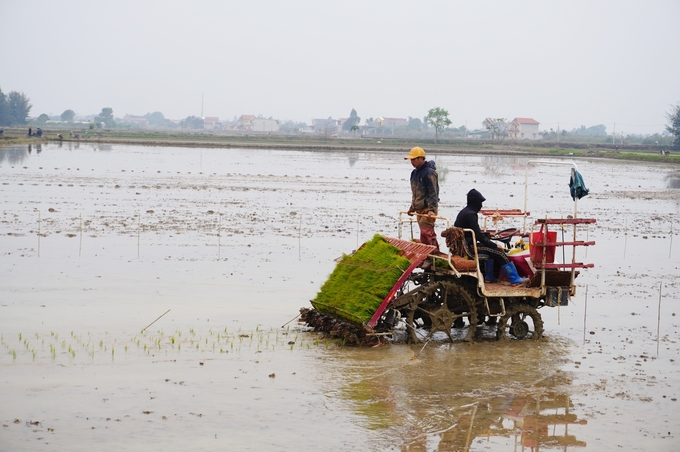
(361, 281)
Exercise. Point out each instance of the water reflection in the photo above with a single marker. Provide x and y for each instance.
(15, 154)
(673, 179)
(527, 421)
(450, 397)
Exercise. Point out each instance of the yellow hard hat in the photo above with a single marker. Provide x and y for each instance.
(415, 153)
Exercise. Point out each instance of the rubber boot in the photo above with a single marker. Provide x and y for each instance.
(488, 271)
(511, 271)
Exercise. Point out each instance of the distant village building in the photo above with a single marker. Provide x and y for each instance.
(245, 122)
(524, 129)
(391, 123)
(328, 126)
(211, 123)
(135, 120)
(265, 125)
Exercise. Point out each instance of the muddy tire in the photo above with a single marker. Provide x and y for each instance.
(520, 322)
(438, 307)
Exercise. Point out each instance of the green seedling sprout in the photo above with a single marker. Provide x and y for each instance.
(19, 336)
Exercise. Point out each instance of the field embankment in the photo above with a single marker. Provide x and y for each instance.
(220, 139)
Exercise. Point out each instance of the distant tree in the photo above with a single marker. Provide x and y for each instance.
(673, 126)
(353, 120)
(192, 122)
(354, 129)
(5, 119)
(439, 119)
(19, 107)
(105, 118)
(415, 123)
(157, 119)
(599, 130)
(497, 127)
(42, 119)
(68, 115)
(290, 126)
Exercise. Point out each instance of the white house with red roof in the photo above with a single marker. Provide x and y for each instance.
(524, 129)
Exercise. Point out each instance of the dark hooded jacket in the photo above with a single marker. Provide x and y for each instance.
(467, 218)
(425, 187)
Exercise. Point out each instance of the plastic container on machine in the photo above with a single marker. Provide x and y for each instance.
(536, 247)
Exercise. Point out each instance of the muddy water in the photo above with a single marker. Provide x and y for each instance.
(98, 242)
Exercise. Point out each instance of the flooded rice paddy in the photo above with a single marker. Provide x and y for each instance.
(225, 246)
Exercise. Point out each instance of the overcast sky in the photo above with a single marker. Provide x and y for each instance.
(568, 62)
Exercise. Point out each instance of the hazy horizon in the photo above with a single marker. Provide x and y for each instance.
(568, 63)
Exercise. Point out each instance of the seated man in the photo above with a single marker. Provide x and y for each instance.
(467, 218)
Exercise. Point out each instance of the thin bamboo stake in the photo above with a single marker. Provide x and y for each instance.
(625, 242)
(80, 249)
(139, 227)
(357, 232)
(585, 315)
(282, 326)
(658, 321)
(159, 317)
(39, 233)
(300, 240)
(670, 246)
(219, 236)
(421, 350)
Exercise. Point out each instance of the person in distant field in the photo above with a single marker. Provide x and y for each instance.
(30, 131)
(467, 218)
(425, 195)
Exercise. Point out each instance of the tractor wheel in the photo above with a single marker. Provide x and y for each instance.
(520, 321)
(438, 307)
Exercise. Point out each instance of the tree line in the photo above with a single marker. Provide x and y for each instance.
(14, 108)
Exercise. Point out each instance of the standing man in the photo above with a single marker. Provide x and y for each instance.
(425, 195)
